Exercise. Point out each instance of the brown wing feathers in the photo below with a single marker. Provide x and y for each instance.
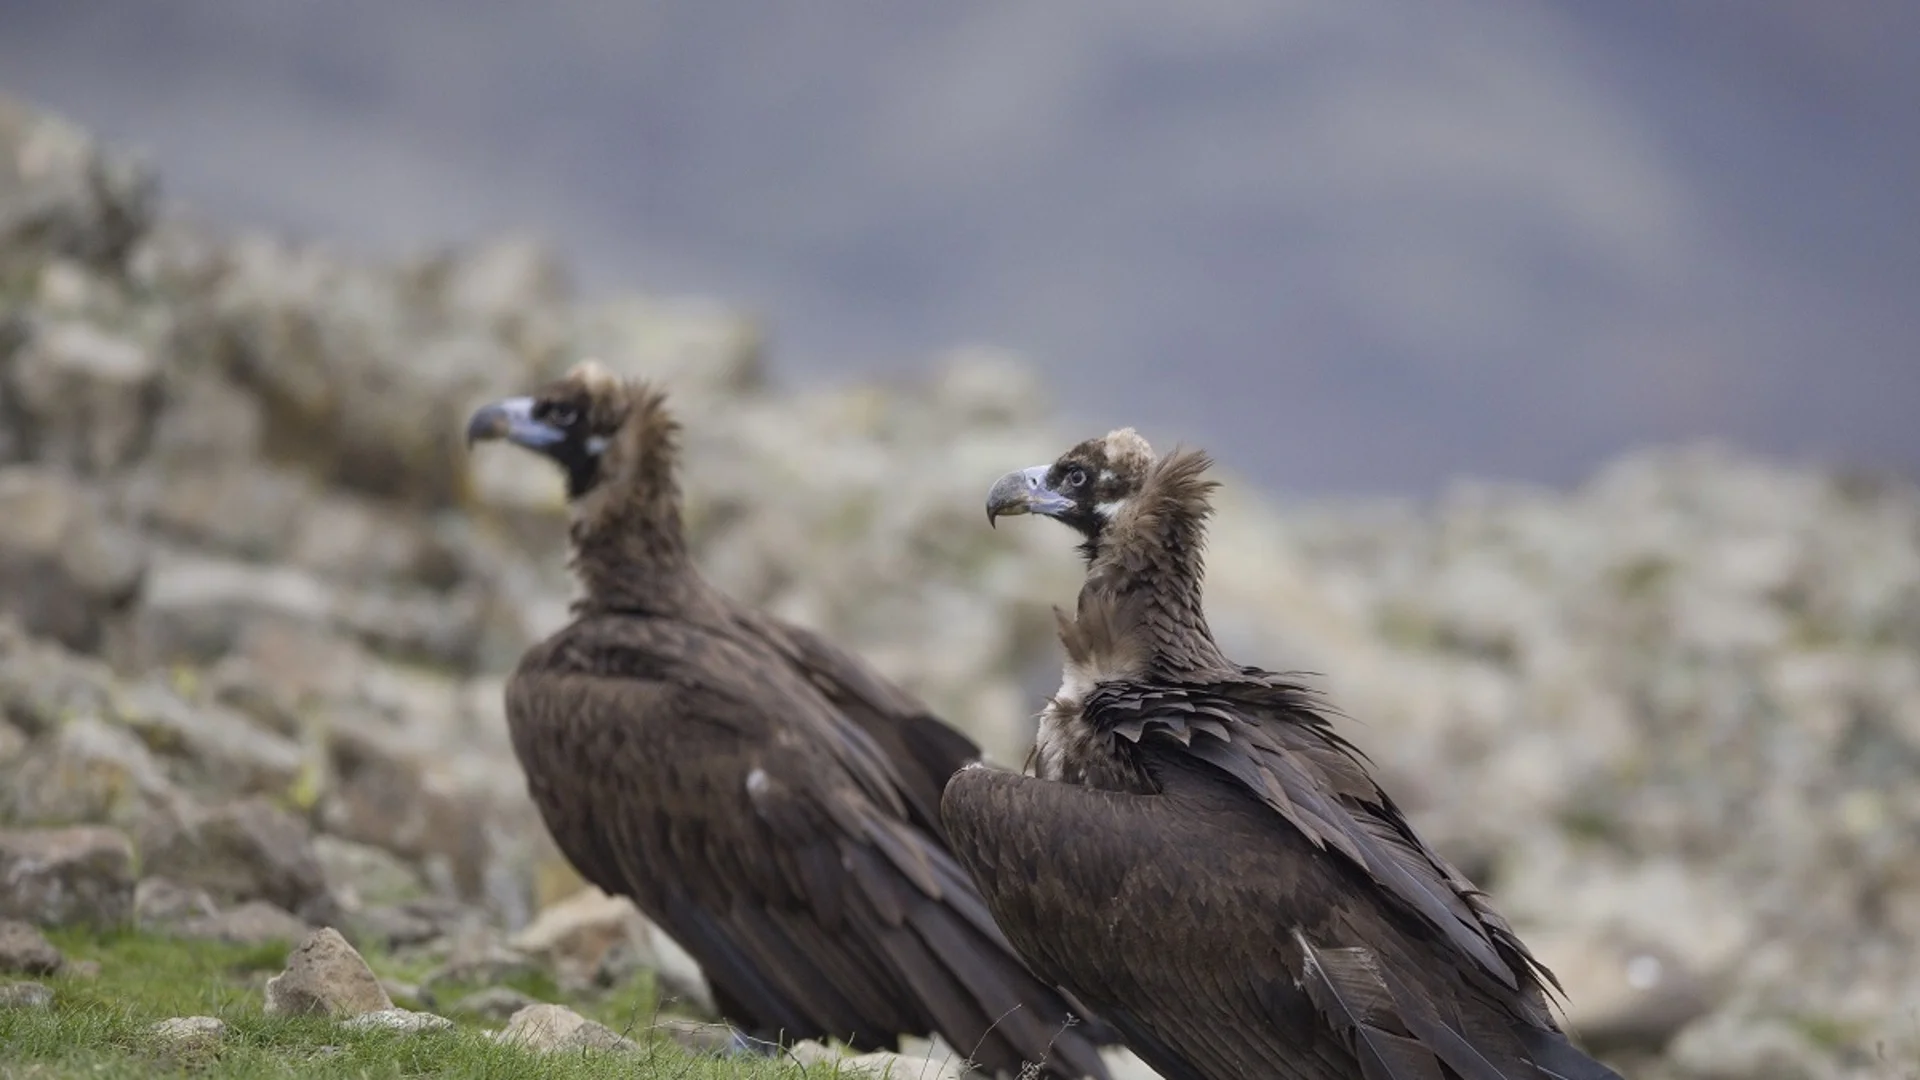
(766, 797)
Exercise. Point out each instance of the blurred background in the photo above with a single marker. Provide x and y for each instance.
(1560, 360)
(1373, 245)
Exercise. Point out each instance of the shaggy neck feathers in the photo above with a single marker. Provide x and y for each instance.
(1141, 608)
(629, 546)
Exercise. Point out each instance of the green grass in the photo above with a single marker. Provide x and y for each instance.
(97, 1027)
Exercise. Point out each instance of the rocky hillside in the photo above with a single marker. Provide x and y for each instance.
(260, 601)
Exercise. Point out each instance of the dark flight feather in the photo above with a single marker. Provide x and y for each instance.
(763, 795)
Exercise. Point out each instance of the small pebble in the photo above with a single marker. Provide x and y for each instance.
(401, 1020)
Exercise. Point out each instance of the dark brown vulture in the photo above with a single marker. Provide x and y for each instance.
(1202, 860)
(766, 797)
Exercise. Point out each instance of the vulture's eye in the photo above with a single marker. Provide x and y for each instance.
(1077, 478)
(562, 415)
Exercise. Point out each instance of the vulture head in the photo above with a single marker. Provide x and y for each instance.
(598, 428)
(1087, 488)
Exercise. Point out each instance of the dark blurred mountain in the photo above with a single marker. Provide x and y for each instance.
(1348, 246)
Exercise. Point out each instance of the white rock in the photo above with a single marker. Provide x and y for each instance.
(404, 1021)
(182, 1034)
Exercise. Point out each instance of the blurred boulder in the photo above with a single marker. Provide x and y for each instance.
(188, 1036)
(216, 745)
(84, 399)
(589, 939)
(43, 685)
(159, 902)
(361, 875)
(1623, 997)
(24, 951)
(242, 851)
(400, 1021)
(60, 195)
(255, 922)
(25, 995)
(66, 569)
(75, 875)
(88, 770)
(556, 1028)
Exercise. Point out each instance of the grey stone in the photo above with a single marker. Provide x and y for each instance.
(159, 902)
(25, 951)
(245, 850)
(66, 566)
(326, 975)
(478, 957)
(43, 685)
(556, 1028)
(215, 741)
(362, 875)
(255, 922)
(25, 995)
(496, 1003)
(588, 939)
(61, 195)
(403, 1021)
(87, 397)
(74, 875)
(87, 771)
(397, 926)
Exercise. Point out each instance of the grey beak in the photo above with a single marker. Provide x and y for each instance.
(513, 421)
(1025, 491)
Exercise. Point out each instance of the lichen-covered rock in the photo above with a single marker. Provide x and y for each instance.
(25, 995)
(555, 1028)
(255, 922)
(61, 195)
(76, 875)
(43, 685)
(361, 875)
(188, 1036)
(218, 747)
(403, 1021)
(159, 902)
(589, 938)
(326, 975)
(477, 956)
(24, 951)
(66, 569)
(416, 922)
(90, 771)
(245, 850)
(85, 398)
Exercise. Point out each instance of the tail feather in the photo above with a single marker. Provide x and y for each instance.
(1348, 989)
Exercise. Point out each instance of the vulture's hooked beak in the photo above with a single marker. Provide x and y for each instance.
(1025, 491)
(513, 421)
